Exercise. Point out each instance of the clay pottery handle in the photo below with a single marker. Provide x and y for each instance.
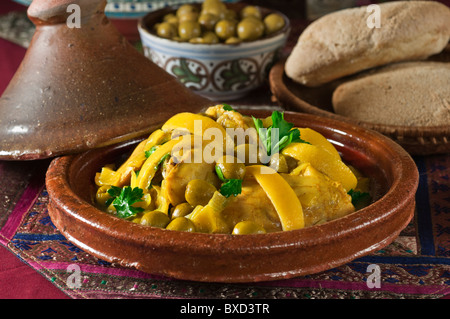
(50, 12)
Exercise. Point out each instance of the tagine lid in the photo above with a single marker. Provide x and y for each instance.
(83, 87)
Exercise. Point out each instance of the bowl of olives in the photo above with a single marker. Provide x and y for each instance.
(221, 51)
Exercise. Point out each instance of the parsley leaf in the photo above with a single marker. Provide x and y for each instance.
(220, 174)
(150, 151)
(229, 186)
(123, 199)
(113, 191)
(359, 199)
(227, 107)
(163, 159)
(286, 133)
(262, 132)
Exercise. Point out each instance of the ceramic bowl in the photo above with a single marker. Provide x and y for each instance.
(241, 258)
(220, 72)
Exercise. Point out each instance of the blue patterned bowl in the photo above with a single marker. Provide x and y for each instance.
(216, 71)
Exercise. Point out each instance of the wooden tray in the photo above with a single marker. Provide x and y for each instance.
(296, 97)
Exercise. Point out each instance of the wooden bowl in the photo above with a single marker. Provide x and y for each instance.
(241, 258)
(417, 140)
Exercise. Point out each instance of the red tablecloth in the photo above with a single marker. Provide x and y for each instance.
(417, 264)
(18, 280)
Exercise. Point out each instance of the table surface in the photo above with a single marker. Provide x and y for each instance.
(34, 256)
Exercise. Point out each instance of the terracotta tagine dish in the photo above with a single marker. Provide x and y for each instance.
(222, 257)
(81, 87)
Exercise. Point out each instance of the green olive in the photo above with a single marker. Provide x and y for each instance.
(174, 21)
(189, 29)
(273, 23)
(247, 228)
(233, 40)
(166, 30)
(181, 224)
(250, 11)
(249, 29)
(208, 21)
(291, 163)
(199, 192)
(188, 16)
(231, 15)
(215, 7)
(171, 18)
(225, 29)
(210, 37)
(279, 163)
(197, 40)
(155, 218)
(185, 9)
(178, 39)
(231, 167)
(181, 210)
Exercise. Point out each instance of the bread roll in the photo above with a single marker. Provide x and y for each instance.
(406, 94)
(341, 43)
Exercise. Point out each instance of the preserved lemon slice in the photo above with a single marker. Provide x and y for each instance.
(317, 139)
(323, 161)
(107, 176)
(150, 166)
(138, 157)
(207, 219)
(281, 195)
(186, 122)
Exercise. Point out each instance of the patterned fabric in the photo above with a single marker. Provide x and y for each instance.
(415, 265)
(17, 28)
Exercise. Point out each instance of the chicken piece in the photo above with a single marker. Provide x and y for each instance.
(252, 204)
(229, 119)
(215, 111)
(322, 199)
(179, 174)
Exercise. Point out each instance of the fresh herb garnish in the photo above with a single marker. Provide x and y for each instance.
(114, 192)
(286, 133)
(220, 174)
(163, 159)
(150, 151)
(359, 199)
(123, 199)
(227, 107)
(229, 186)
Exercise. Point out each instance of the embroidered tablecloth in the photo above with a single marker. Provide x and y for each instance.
(415, 265)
